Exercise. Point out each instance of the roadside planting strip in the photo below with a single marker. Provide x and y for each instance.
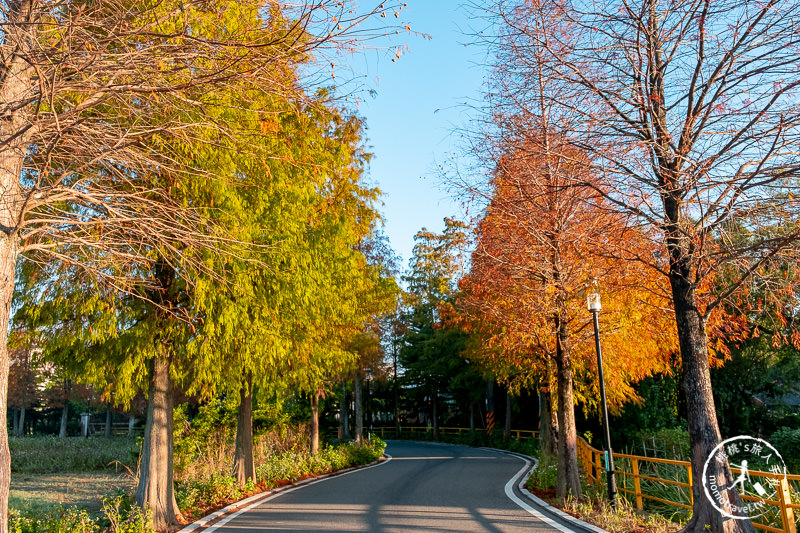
(553, 517)
(215, 520)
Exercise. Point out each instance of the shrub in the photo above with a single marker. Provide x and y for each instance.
(205, 444)
(124, 517)
(368, 452)
(787, 442)
(60, 521)
(195, 496)
(545, 476)
(671, 443)
(118, 517)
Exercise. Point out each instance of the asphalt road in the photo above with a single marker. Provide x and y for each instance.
(424, 487)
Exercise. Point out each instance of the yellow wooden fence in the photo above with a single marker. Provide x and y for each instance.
(592, 460)
(516, 433)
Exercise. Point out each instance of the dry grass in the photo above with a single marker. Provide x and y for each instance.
(595, 509)
(43, 492)
(623, 519)
(201, 458)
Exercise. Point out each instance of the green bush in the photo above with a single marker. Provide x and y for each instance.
(291, 466)
(368, 452)
(787, 442)
(672, 442)
(545, 475)
(69, 520)
(526, 446)
(217, 488)
(195, 495)
(119, 516)
(124, 517)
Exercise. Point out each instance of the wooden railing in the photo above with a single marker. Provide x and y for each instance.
(391, 430)
(630, 484)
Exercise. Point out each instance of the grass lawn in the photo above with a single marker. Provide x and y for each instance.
(47, 472)
(44, 492)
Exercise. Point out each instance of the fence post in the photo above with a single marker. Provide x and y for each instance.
(691, 489)
(787, 513)
(587, 461)
(598, 468)
(637, 486)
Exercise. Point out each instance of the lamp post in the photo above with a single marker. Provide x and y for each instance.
(594, 306)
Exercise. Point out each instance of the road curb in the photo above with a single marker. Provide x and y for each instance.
(576, 525)
(211, 519)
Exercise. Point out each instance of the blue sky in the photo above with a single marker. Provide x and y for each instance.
(418, 102)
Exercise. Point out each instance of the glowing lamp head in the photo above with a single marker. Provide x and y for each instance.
(593, 301)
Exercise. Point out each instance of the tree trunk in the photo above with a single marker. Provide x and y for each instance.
(548, 432)
(156, 492)
(507, 426)
(131, 424)
(568, 480)
(62, 430)
(472, 417)
(315, 422)
(489, 407)
(21, 424)
(15, 422)
(489, 396)
(16, 87)
(396, 394)
(9, 176)
(109, 420)
(344, 429)
(359, 420)
(243, 458)
(368, 407)
(704, 434)
(435, 413)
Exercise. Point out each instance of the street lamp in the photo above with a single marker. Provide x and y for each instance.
(593, 301)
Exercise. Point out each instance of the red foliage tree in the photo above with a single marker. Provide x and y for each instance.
(540, 245)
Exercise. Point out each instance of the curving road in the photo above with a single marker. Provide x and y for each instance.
(424, 487)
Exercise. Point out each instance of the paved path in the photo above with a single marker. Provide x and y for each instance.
(425, 487)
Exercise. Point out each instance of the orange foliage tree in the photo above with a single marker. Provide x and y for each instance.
(540, 245)
(689, 112)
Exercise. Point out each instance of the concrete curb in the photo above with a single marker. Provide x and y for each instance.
(211, 519)
(544, 507)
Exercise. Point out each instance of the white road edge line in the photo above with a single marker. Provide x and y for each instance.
(509, 488)
(230, 517)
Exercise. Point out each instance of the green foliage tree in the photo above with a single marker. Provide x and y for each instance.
(431, 352)
(265, 323)
(104, 103)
